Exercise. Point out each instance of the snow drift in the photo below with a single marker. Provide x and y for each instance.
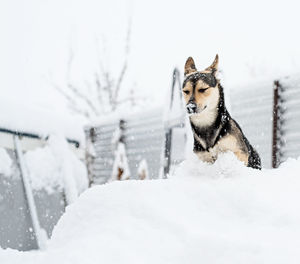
(55, 167)
(221, 213)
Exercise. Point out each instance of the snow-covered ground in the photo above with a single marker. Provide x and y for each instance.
(221, 213)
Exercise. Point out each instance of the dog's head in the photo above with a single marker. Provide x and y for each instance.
(200, 88)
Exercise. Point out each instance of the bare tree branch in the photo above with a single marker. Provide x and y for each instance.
(71, 102)
(124, 68)
(101, 94)
(83, 97)
(99, 90)
(118, 86)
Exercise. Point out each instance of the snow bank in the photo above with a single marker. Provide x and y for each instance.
(18, 116)
(221, 213)
(56, 167)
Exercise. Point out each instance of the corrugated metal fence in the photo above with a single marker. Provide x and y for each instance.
(143, 139)
(252, 108)
(269, 114)
(287, 121)
(147, 137)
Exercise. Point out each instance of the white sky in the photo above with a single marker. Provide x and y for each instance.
(255, 40)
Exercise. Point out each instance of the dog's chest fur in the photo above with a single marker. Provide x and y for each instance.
(227, 143)
(211, 141)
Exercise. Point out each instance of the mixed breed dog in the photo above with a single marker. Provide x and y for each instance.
(213, 128)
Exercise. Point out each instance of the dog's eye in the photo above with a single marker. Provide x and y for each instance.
(186, 92)
(202, 90)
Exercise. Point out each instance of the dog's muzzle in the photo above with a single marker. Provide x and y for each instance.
(191, 108)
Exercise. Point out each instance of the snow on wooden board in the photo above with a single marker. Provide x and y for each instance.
(15, 115)
(221, 213)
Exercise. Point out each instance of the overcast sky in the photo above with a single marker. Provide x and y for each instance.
(255, 40)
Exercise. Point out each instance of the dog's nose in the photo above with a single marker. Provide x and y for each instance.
(191, 108)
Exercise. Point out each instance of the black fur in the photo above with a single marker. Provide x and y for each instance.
(208, 78)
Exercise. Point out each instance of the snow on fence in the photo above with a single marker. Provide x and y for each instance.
(33, 193)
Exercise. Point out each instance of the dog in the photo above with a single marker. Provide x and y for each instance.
(213, 128)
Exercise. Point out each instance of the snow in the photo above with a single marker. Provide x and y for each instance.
(56, 167)
(16, 115)
(220, 213)
(44, 170)
(5, 163)
(143, 171)
(73, 171)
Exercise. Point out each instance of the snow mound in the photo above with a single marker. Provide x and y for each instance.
(55, 167)
(220, 213)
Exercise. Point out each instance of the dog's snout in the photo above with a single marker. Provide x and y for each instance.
(191, 108)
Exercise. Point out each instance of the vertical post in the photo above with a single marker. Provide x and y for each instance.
(169, 126)
(275, 149)
(168, 144)
(122, 130)
(40, 233)
(90, 153)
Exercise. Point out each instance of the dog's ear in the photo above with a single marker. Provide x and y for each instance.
(214, 67)
(189, 66)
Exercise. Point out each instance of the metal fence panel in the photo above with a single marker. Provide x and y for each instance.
(252, 108)
(143, 137)
(289, 99)
(16, 229)
(145, 142)
(50, 208)
(101, 167)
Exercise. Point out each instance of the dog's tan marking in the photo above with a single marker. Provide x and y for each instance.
(242, 157)
(188, 87)
(228, 143)
(231, 143)
(206, 102)
(207, 156)
(189, 66)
